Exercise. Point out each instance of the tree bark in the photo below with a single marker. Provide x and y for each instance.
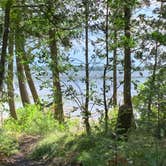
(86, 109)
(30, 80)
(19, 44)
(57, 103)
(10, 79)
(105, 70)
(115, 71)
(127, 58)
(4, 42)
(125, 114)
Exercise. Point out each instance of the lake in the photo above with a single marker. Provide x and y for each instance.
(79, 86)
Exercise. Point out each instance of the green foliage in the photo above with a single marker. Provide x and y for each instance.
(8, 144)
(98, 149)
(129, 42)
(5, 3)
(95, 149)
(66, 140)
(155, 118)
(143, 149)
(31, 121)
(100, 126)
(68, 143)
(53, 144)
(113, 114)
(157, 36)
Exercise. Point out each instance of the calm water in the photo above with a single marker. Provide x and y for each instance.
(78, 85)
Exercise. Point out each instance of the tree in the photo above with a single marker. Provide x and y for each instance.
(115, 70)
(86, 109)
(55, 14)
(23, 69)
(5, 41)
(11, 77)
(116, 28)
(125, 114)
(106, 65)
(57, 98)
(19, 39)
(30, 79)
(19, 44)
(159, 40)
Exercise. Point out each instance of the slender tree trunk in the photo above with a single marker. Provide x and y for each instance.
(125, 114)
(30, 80)
(86, 111)
(10, 79)
(105, 71)
(58, 105)
(127, 59)
(115, 71)
(4, 42)
(19, 44)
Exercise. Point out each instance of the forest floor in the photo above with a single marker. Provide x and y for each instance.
(21, 158)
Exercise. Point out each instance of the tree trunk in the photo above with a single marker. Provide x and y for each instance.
(4, 42)
(105, 71)
(125, 114)
(10, 79)
(19, 44)
(57, 103)
(30, 80)
(127, 59)
(86, 109)
(115, 71)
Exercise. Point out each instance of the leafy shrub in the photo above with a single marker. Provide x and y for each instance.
(8, 144)
(154, 119)
(31, 121)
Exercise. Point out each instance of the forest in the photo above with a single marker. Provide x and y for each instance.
(83, 83)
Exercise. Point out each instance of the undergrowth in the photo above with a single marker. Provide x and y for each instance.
(31, 120)
(98, 149)
(8, 144)
(67, 143)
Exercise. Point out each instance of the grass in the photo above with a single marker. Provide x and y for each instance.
(74, 147)
(98, 149)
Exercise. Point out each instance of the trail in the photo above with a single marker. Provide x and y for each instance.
(21, 158)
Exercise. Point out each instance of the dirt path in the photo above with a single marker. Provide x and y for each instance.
(26, 144)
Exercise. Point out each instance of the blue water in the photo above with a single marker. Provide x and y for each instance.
(96, 82)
